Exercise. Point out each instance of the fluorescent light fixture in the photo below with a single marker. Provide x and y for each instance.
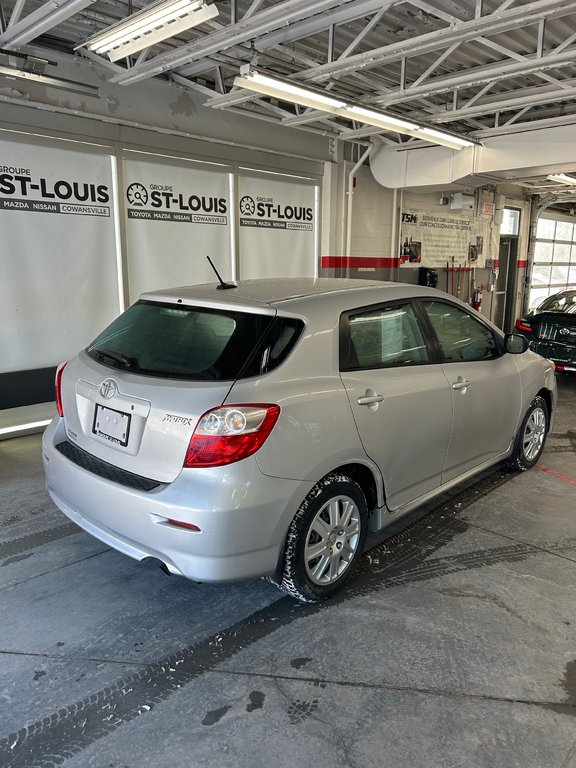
(24, 427)
(288, 91)
(54, 82)
(446, 139)
(380, 120)
(269, 86)
(150, 26)
(563, 178)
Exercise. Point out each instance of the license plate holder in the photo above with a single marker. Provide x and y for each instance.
(112, 425)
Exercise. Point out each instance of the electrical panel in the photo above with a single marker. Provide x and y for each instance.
(461, 202)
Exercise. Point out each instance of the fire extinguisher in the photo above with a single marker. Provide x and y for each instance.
(477, 298)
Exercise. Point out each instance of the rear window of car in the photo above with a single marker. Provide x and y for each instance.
(560, 303)
(195, 343)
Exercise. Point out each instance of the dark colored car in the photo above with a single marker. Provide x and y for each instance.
(551, 330)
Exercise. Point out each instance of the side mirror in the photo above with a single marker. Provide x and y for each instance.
(515, 344)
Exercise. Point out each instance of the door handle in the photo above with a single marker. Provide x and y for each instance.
(370, 398)
(461, 384)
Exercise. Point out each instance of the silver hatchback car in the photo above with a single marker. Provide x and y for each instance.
(264, 429)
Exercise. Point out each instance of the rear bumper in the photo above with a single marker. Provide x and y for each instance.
(242, 514)
(560, 354)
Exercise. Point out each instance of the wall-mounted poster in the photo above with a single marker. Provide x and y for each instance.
(177, 215)
(278, 228)
(59, 259)
(432, 239)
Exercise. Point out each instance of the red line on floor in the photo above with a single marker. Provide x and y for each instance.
(559, 475)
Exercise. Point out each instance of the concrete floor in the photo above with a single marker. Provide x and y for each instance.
(453, 647)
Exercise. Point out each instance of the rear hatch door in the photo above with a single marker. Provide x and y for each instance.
(134, 397)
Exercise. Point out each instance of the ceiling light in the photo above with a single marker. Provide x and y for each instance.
(296, 94)
(270, 86)
(150, 26)
(379, 120)
(54, 82)
(446, 139)
(563, 178)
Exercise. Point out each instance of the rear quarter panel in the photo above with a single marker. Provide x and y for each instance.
(315, 432)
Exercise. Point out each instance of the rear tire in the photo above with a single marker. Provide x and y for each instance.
(531, 436)
(325, 539)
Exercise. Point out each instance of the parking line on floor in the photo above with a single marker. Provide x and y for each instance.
(559, 475)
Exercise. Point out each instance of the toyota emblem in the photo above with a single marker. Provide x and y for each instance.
(564, 331)
(108, 388)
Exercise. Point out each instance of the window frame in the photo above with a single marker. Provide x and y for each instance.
(496, 335)
(552, 287)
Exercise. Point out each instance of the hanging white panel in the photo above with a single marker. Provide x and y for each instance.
(58, 258)
(177, 215)
(278, 227)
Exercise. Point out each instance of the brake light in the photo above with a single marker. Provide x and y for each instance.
(58, 387)
(523, 325)
(556, 366)
(230, 433)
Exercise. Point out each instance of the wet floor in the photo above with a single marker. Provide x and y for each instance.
(454, 645)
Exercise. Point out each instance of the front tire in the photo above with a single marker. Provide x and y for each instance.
(325, 539)
(531, 436)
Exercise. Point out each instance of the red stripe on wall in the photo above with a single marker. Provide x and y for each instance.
(356, 262)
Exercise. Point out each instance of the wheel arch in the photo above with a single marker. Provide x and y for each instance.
(371, 487)
(546, 395)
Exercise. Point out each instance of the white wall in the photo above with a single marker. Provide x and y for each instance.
(167, 108)
(372, 215)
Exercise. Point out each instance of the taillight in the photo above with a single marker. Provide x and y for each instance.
(58, 386)
(523, 325)
(230, 433)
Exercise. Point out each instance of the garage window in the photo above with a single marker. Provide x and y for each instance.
(554, 259)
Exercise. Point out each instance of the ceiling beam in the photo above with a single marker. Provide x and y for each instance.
(433, 11)
(493, 45)
(551, 122)
(433, 41)
(16, 13)
(39, 21)
(311, 26)
(278, 15)
(508, 103)
(482, 76)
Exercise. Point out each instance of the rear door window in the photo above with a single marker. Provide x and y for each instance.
(195, 343)
(382, 337)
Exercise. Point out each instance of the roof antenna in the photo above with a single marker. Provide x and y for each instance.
(223, 286)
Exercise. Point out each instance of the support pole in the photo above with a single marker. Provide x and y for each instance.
(350, 199)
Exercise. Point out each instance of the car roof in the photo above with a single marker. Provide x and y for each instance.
(266, 294)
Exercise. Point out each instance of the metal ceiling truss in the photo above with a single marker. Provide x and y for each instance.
(484, 67)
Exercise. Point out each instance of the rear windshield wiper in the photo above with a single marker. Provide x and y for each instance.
(117, 357)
